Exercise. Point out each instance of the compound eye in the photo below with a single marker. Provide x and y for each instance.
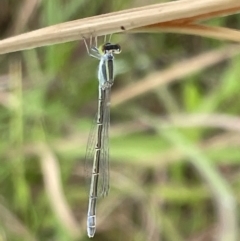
(106, 47)
(118, 49)
(113, 48)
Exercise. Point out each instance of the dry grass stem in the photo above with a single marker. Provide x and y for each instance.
(52, 181)
(13, 225)
(219, 33)
(226, 122)
(28, 7)
(116, 22)
(174, 73)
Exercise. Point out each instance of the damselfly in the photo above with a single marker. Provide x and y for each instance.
(97, 148)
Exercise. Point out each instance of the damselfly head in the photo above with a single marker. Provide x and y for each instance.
(111, 48)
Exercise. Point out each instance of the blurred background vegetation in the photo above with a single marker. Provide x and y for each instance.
(174, 156)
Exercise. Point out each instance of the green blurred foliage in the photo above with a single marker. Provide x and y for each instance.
(162, 178)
